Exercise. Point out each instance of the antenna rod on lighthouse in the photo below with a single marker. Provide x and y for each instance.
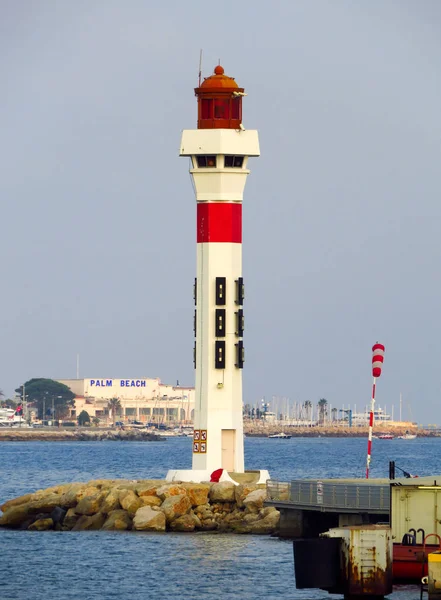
(200, 67)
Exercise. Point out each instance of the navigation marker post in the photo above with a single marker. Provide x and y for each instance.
(377, 363)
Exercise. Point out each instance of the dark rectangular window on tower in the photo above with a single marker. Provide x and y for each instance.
(195, 291)
(233, 162)
(219, 355)
(220, 322)
(221, 290)
(194, 323)
(206, 161)
(194, 355)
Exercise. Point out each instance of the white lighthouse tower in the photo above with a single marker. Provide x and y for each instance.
(219, 150)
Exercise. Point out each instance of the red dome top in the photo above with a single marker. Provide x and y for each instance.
(219, 80)
(219, 102)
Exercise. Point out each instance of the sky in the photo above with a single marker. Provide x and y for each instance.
(342, 211)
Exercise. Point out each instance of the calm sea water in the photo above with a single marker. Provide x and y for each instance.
(135, 566)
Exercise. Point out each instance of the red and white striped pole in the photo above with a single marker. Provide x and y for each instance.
(377, 363)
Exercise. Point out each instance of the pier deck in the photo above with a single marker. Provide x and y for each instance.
(308, 507)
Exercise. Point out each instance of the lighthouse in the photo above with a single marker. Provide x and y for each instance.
(219, 150)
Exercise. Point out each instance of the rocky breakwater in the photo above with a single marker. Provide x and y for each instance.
(17, 434)
(146, 505)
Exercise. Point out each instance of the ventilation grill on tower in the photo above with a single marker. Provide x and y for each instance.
(194, 323)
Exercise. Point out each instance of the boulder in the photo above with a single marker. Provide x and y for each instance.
(237, 516)
(197, 493)
(170, 489)
(148, 487)
(90, 504)
(118, 520)
(208, 525)
(86, 490)
(16, 515)
(222, 492)
(101, 484)
(70, 519)
(130, 502)
(267, 525)
(150, 501)
(57, 515)
(46, 503)
(89, 523)
(250, 518)
(254, 501)
(266, 511)
(41, 525)
(110, 502)
(71, 495)
(175, 506)
(204, 511)
(126, 486)
(196, 519)
(251, 523)
(184, 523)
(15, 502)
(148, 519)
(241, 492)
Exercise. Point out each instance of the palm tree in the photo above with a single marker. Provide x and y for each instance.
(308, 408)
(322, 409)
(114, 405)
(334, 412)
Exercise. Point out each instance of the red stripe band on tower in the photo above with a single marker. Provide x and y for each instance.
(219, 222)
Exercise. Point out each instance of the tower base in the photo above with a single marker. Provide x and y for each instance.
(196, 476)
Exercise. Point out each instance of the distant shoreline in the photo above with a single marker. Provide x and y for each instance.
(17, 434)
(336, 432)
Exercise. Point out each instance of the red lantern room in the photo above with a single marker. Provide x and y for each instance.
(219, 102)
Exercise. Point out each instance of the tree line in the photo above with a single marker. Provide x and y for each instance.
(51, 399)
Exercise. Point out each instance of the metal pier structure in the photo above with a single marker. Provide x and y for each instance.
(309, 507)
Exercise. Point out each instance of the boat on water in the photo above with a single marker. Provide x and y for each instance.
(407, 436)
(385, 436)
(280, 436)
(10, 417)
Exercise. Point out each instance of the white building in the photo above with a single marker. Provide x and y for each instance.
(146, 400)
